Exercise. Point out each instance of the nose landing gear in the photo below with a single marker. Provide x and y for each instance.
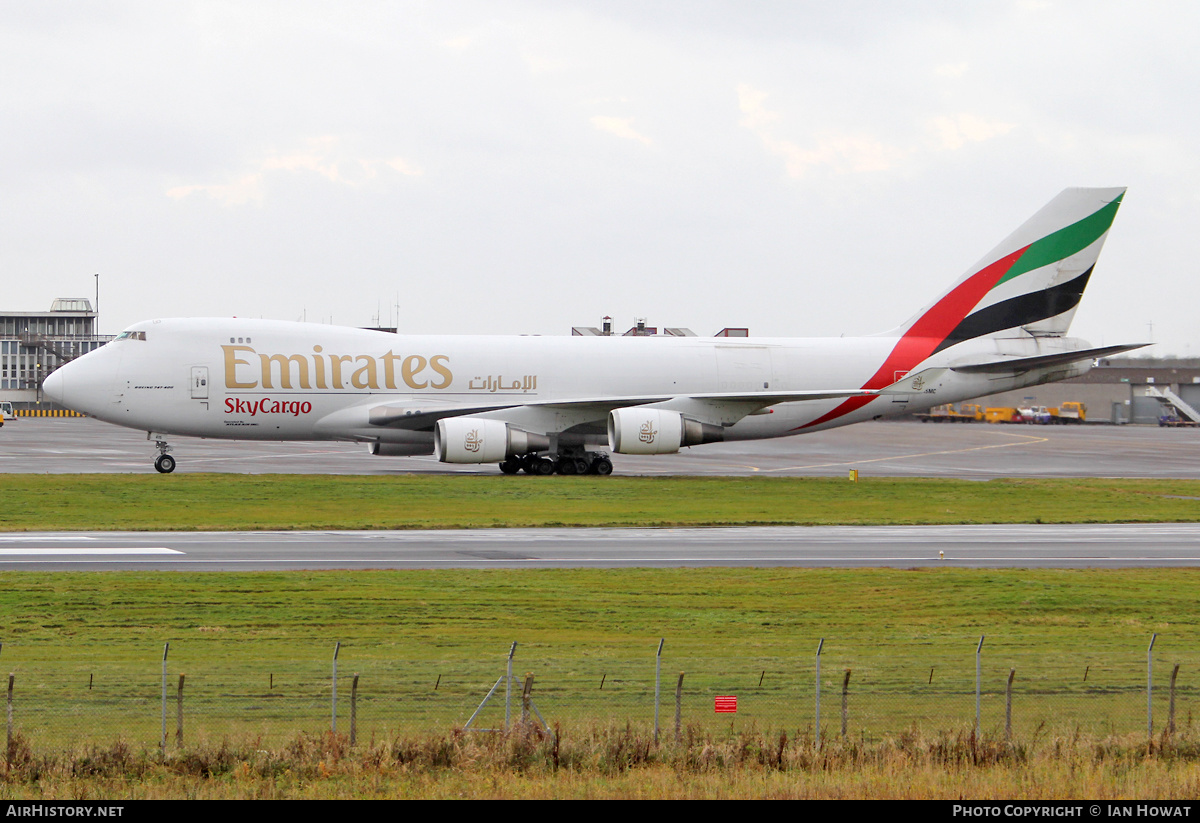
(164, 463)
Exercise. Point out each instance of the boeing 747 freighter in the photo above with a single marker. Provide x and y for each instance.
(551, 404)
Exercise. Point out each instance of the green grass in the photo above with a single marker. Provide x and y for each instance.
(256, 648)
(239, 502)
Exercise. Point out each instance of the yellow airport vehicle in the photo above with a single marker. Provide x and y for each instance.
(966, 413)
(1069, 413)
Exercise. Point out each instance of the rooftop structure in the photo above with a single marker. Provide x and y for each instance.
(640, 329)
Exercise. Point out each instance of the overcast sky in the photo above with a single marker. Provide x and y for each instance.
(800, 168)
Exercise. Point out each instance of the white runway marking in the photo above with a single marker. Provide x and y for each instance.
(40, 538)
(86, 551)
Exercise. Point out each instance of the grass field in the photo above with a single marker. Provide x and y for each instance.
(257, 648)
(236, 502)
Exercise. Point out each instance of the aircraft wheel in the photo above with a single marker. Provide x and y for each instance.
(566, 465)
(510, 466)
(165, 464)
(602, 466)
(581, 466)
(544, 466)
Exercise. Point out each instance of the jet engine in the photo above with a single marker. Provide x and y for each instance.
(480, 440)
(637, 430)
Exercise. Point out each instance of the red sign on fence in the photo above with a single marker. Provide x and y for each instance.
(726, 703)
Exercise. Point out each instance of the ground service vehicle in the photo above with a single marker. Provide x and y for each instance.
(1070, 412)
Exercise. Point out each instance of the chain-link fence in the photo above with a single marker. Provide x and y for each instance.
(863, 694)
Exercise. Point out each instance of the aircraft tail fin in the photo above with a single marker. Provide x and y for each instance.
(1031, 283)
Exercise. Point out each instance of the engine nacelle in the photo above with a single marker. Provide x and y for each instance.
(638, 430)
(480, 440)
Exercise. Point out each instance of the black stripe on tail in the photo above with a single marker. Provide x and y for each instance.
(1019, 311)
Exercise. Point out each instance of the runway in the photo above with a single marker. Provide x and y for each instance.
(1022, 546)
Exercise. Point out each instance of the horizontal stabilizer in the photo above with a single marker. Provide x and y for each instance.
(1041, 361)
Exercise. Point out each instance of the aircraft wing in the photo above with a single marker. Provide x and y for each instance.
(422, 417)
(719, 408)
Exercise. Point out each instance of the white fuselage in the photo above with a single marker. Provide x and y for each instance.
(271, 380)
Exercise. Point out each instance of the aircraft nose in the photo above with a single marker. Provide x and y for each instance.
(54, 387)
(85, 385)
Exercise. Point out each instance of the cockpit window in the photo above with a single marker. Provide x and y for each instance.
(130, 335)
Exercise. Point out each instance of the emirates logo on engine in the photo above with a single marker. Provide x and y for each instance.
(647, 433)
(472, 442)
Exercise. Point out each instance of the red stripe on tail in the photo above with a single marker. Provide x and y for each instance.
(930, 329)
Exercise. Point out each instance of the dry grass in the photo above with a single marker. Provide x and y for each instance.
(615, 762)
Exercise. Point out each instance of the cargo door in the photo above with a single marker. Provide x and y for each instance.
(743, 368)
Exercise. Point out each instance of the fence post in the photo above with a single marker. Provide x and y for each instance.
(354, 709)
(179, 714)
(508, 686)
(8, 746)
(845, 699)
(817, 726)
(1008, 706)
(1171, 705)
(526, 697)
(1150, 687)
(657, 684)
(337, 647)
(163, 739)
(678, 705)
(978, 655)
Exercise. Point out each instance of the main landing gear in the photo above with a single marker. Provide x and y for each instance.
(565, 463)
(164, 463)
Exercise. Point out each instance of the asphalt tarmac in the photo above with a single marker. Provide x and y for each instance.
(885, 449)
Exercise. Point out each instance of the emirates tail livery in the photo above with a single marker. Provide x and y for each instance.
(543, 404)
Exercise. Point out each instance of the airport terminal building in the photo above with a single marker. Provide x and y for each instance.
(35, 343)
